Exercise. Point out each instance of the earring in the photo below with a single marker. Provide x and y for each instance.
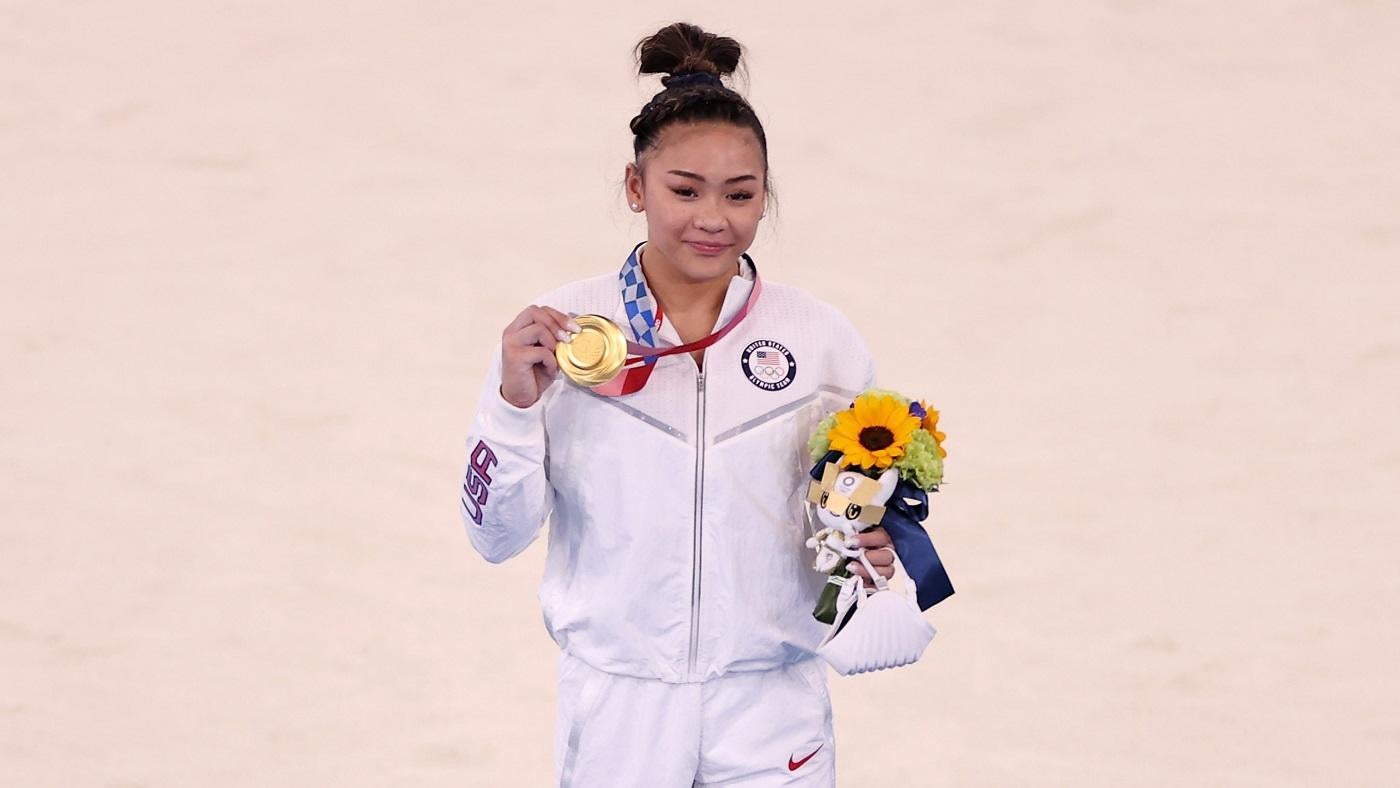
(634, 206)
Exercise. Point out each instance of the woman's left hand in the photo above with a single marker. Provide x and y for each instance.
(882, 559)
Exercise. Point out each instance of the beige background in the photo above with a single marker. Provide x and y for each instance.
(1142, 255)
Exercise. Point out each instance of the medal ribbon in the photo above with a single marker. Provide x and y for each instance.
(644, 317)
(649, 355)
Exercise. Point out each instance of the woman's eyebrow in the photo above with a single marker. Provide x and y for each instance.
(735, 179)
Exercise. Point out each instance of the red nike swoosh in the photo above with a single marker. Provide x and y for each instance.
(795, 765)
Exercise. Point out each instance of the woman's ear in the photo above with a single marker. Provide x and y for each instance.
(633, 182)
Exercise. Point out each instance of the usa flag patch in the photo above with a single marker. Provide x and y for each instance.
(768, 365)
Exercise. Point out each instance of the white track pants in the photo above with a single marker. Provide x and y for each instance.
(763, 728)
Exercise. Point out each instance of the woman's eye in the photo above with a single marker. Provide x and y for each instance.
(741, 196)
(853, 511)
(684, 192)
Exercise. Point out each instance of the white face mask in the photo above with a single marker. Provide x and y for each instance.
(886, 631)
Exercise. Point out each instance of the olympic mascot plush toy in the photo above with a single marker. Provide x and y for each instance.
(876, 462)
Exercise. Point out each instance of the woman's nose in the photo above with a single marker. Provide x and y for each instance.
(709, 222)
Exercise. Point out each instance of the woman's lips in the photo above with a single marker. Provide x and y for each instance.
(709, 250)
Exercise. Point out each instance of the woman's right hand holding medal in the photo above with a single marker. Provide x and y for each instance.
(528, 366)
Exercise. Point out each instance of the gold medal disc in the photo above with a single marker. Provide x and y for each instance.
(595, 354)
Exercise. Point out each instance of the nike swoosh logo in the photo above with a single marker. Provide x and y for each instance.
(795, 765)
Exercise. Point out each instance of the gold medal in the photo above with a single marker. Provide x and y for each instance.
(595, 354)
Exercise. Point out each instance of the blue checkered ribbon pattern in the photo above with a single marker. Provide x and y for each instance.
(641, 309)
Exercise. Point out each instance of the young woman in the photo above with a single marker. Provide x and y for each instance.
(677, 584)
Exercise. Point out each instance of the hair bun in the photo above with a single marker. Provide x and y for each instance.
(682, 48)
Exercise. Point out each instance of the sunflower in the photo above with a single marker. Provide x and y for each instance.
(930, 424)
(874, 431)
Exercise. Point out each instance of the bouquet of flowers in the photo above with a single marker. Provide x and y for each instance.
(875, 464)
(884, 429)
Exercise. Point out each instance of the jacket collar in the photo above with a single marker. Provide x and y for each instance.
(740, 285)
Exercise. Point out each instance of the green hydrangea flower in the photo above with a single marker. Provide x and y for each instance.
(819, 444)
(900, 398)
(921, 463)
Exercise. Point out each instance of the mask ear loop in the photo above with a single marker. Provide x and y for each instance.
(881, 584)
(910, 590)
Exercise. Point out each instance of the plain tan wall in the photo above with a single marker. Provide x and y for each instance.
(1141, 255)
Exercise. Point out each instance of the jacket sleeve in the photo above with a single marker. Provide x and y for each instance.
(505, 494)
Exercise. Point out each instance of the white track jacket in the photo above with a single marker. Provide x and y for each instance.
(677, 513)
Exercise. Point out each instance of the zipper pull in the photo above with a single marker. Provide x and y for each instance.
(700, 382)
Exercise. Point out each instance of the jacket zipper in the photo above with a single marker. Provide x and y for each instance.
(699, 519)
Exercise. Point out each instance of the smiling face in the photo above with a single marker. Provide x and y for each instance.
(702, 188)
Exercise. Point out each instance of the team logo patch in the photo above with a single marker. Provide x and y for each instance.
(770, 366)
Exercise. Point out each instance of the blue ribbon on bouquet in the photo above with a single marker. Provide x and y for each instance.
(903, 521)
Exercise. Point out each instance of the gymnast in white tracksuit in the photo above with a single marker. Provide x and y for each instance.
(677, 585)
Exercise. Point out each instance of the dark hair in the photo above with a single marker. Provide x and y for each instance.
(677, 50)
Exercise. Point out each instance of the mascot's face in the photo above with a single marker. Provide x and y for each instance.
(849, 500)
